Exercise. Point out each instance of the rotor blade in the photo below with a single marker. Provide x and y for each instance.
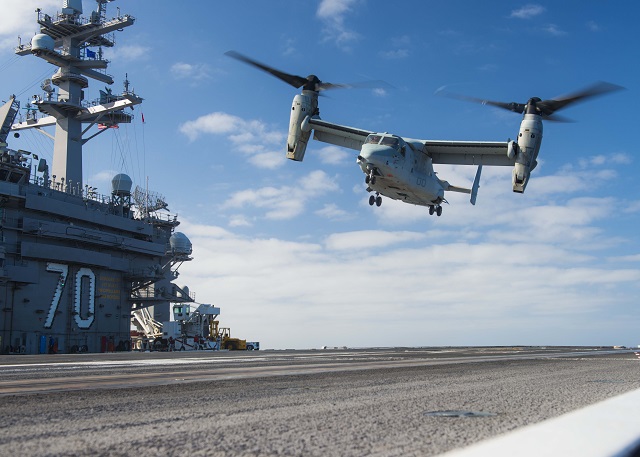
(557, 118)
(373, 84)
(548, 107)
(327, 86)
(515, 107)
(293, 80)
(311, 82)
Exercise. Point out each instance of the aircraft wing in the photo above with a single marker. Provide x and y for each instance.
(467, 152)
(445, 152)
(340, 135)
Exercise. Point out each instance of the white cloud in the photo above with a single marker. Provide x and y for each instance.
(126, 53)
(398, 49)
(197, 71)
(334, 155)
(627, 258)
(426, 289)
(379, 92)
(332, 212)
(269, 160)
(588, 173)
(632, 207)
(253, 138)
(238, 220)
(19, 19)
(554, 30)
(102, 180)
(621, 158)
(216, 123)
(333, 13)
(395, 54)
(528, 11)
(241, 132)
(289, 46)
(369, 239)
(594, 26)
(329, 9)
(285, 202)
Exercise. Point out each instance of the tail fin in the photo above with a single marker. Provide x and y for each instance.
(476, 186)
(473, 191)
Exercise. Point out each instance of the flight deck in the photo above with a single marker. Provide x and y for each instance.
(382, 401)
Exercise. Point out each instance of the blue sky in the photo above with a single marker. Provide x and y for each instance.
(292, 252)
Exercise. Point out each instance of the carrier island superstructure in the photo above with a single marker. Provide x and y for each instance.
(76, 267)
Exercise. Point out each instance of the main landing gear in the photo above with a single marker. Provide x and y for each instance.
(435, 209)
(377, 199)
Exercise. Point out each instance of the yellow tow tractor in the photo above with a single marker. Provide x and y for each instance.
(223, 335)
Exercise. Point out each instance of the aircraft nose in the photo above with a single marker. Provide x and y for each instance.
(374, 153)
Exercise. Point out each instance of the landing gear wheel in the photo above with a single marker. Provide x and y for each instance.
(372, 200)
(367, 179)
(378, 200)
(439, 211)
(431, 210)
(372, 180)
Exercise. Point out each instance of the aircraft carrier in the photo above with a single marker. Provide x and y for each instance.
(75, 266)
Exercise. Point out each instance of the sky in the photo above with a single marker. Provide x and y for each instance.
(292, 252)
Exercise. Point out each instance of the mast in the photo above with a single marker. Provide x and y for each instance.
(64, 41)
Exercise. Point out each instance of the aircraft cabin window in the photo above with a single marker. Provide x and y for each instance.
(372, 139)
(390, 141)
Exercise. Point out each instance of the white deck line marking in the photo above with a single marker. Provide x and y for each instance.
(609, 428)
(216, 360)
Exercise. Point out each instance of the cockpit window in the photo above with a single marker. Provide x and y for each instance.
(372, 139)
(390, 141)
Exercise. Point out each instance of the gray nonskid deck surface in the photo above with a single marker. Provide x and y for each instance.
(368, 411)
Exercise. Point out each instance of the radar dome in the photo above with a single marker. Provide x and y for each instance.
(42, 42)
(180, 244)
(121, 184)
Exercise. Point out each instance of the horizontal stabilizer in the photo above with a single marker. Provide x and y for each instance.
(462, 190)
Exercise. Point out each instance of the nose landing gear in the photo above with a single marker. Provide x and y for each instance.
(370, 178)
(435, 209)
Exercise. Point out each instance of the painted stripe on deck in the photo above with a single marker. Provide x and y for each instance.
(609, 428)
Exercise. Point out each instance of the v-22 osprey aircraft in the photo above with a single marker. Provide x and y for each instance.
(402, 168)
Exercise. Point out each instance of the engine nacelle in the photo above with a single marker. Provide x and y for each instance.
(520, 177)
(303, 106)
(526, 152)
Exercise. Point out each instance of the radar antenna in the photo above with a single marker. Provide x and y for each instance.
(147, 202)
